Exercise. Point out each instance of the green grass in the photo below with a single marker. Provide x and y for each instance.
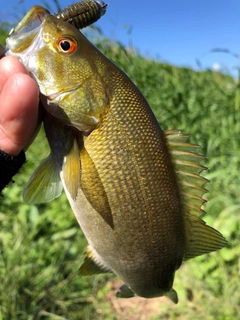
(41, 246)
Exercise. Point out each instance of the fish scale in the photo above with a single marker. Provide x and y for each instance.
(97, 144)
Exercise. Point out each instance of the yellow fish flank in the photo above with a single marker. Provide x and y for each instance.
(134, 189)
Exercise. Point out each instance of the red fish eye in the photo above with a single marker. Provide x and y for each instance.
(66, 45)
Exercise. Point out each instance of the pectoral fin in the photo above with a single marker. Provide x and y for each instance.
(92, 265)
(93, 188)
(44, 184)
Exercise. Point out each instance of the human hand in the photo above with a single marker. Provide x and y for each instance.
(19, 111)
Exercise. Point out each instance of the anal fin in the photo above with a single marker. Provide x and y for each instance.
(92, 265)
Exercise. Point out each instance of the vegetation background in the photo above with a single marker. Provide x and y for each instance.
(41, 246)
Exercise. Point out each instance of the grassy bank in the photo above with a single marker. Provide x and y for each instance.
(41, 246)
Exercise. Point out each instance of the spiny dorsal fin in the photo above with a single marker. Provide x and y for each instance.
(200, 238)
(44, 184)
(186, 162)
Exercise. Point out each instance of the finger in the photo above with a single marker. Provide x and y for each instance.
(19, 113)
(8, 67)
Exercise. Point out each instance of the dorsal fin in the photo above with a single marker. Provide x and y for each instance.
(200, 238)
(188, 168)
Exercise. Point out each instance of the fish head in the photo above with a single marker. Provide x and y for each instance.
(62, 61)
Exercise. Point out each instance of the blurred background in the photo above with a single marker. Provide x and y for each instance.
(181, 32)
(184, 57)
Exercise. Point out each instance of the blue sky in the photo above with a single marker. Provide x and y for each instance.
(174, 31)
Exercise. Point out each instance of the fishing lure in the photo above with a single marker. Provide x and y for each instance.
(80, 15)
(83, 14)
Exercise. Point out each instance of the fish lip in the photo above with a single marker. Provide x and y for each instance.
(52, 97)
(32, 19)
(13, 42)
(30, 26)
(27, 30)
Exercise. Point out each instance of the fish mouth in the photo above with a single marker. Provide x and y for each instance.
(22, 37)
(56, 95)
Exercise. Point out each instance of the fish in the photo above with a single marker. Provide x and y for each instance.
(136, 190)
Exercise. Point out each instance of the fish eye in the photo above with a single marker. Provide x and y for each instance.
(66, 45)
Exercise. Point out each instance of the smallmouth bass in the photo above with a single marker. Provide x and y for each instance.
(134, 189)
